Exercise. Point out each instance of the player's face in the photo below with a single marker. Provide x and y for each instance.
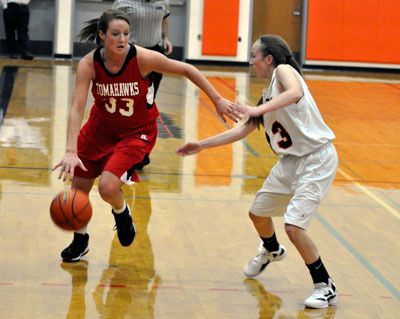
(258, 61)
(116, 38)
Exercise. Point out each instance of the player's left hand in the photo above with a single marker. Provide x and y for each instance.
(189, 148)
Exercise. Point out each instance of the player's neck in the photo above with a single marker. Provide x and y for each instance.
(270, 71)
(113, 61)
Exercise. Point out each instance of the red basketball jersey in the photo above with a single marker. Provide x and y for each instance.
(122, 99)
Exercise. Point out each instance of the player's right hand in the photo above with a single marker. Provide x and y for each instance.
(68, 164)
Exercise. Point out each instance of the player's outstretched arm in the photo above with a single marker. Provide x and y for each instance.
(150, 61)
(227, 137)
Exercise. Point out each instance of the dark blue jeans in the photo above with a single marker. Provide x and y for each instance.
(16, 21)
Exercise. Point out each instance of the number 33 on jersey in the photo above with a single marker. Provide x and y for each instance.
(126, 109)
(123, 99)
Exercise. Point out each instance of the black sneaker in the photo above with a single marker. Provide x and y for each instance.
(78, 248)
(125, 227)
(145, 161)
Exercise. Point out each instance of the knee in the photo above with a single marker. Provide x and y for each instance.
(261, 221)
(293, 232)
(253, 217)
(106, 191)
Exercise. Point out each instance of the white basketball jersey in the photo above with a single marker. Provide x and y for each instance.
(297, 129)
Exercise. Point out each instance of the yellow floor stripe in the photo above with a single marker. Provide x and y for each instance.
(365, 190)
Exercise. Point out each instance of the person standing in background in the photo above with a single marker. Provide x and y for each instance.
(16, 20)
(149, 29)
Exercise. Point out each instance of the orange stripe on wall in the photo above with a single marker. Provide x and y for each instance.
(388, 33)
(214, 165)
(359, 30)
(324, 30)
(354, 31)
(220, 27)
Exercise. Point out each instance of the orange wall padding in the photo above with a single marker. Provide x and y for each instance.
(354, 31)
(220, 27)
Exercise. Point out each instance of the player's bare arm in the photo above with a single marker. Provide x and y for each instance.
(235, 134)
(150, 61)
(82, 83)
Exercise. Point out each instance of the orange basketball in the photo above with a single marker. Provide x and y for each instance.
(71, 210)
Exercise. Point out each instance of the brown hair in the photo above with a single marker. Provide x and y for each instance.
(279, 49)
(91, 31)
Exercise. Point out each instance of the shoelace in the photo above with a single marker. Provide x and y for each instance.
(319, 289)
(257, 259)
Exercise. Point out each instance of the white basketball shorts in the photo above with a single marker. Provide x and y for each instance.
(296, 186)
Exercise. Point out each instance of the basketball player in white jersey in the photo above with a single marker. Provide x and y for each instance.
(304, 172)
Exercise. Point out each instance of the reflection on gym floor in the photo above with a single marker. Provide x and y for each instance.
(194, 236)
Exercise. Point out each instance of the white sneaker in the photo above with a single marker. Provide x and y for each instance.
(324, 295)
(261, 261)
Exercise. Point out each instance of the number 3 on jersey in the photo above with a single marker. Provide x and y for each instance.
(126, 109)
(286, 141)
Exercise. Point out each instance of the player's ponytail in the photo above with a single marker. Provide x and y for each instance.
(92, 27)
(259, 119)
(292, 61)
(90, 32)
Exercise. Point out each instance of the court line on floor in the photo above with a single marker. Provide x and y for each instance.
(180, 199)
(367, 192)
(386, 283)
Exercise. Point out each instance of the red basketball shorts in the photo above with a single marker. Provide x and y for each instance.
(102, 147)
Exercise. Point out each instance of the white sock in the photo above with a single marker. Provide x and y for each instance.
(82, 231)
(121, 210)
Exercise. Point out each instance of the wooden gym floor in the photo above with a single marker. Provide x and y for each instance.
(194, 236)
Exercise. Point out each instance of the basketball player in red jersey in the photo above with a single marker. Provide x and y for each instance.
(122, 125)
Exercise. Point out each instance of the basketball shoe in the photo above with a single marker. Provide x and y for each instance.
(262, 260)
(324, 295)
(78, 248)
(125, 227)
